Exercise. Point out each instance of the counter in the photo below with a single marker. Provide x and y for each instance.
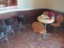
(8, 12)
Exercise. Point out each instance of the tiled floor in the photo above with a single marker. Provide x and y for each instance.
(29, 40)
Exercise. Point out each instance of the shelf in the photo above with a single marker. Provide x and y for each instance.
(8, 3)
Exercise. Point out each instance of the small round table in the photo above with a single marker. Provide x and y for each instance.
(45, 21)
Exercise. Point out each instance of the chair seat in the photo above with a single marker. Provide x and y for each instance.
(43, 32)
(55, 24)
(21, 18)
(8, 21)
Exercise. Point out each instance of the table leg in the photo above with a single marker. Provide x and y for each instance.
(46, 29)
(45, 26)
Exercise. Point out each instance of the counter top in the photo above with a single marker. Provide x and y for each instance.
(8, 9)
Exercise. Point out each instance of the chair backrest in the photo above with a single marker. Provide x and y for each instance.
(38, 27)
(59, 18)
(21, 18)
(46, 13)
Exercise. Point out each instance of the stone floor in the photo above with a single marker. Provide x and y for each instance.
(27, 39)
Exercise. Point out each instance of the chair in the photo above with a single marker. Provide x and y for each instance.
(39, 28)
(59, 21)
(21, 20)
(3, 34)
(8, 23)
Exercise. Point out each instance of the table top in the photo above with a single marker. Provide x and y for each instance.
(46, 21)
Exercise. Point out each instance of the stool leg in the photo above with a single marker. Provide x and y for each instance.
(45, 26)
(55, 29)
(9, 28)
(8, 42)
(61, 30)
(44, 36)
(34, 34)
(24, 28)
(12, 31)
(6, 38)
(21, 26)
